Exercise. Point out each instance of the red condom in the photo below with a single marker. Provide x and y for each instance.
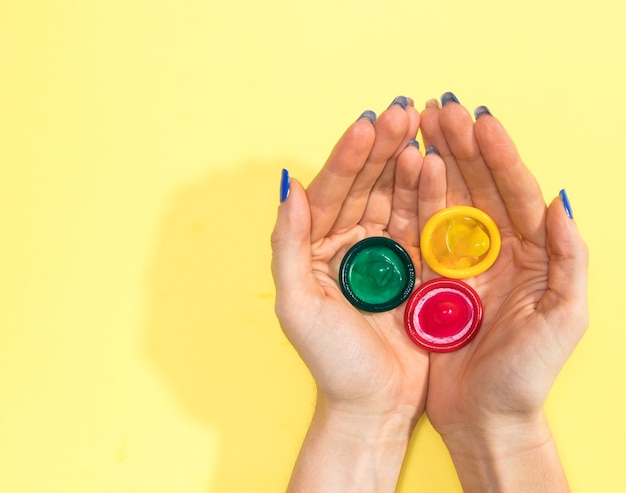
(443, 315)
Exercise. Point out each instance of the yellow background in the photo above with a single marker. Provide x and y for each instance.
(141, 143)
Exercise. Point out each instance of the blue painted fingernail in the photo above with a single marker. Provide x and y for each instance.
(432, 150)
(284, 185)
(401, 101)
(413, 143)
(566, 204)
(480, 111)
(447, 97)
(368, 115)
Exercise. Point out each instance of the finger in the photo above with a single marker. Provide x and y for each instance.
(516, 185)
(565, 303)
(431, 195)
(403, 221)
(329, 189)
(291, 254)
(458, 128)
(380, 202)
(391, 127)
(457, 191)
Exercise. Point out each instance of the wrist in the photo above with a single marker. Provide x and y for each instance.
(363, 423)
(506, 453)
(496, 436)
(346, 451)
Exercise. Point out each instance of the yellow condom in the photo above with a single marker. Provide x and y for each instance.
(460, 242)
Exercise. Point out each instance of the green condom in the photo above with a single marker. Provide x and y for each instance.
(376, 274)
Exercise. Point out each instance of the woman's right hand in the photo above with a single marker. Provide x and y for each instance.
(486, 400)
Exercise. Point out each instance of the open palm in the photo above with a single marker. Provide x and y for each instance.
(368, 187)
(534, 295)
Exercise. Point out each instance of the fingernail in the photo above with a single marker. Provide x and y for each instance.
(566, 204)
(284, 185)
(432, 103)
(368, 115)
(432, 150)
(402, 101)
(446, 97)
(480, 111)
(413, 143)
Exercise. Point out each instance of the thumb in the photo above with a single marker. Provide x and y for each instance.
(291, 250)
(565, 302)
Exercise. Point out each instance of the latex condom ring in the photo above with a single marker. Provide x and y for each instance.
(443, 315)
(376, 274)
(460, 242)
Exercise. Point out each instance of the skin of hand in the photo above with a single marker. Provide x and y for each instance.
(371, 379)
(487, 399)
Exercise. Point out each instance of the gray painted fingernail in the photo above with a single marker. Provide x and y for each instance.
(413, 143)
(448, 97)
(368, 115)
(480, 111)
(401, 101)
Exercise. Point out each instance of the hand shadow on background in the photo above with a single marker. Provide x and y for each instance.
(212, 332)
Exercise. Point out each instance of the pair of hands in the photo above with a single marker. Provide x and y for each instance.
(534, 296)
